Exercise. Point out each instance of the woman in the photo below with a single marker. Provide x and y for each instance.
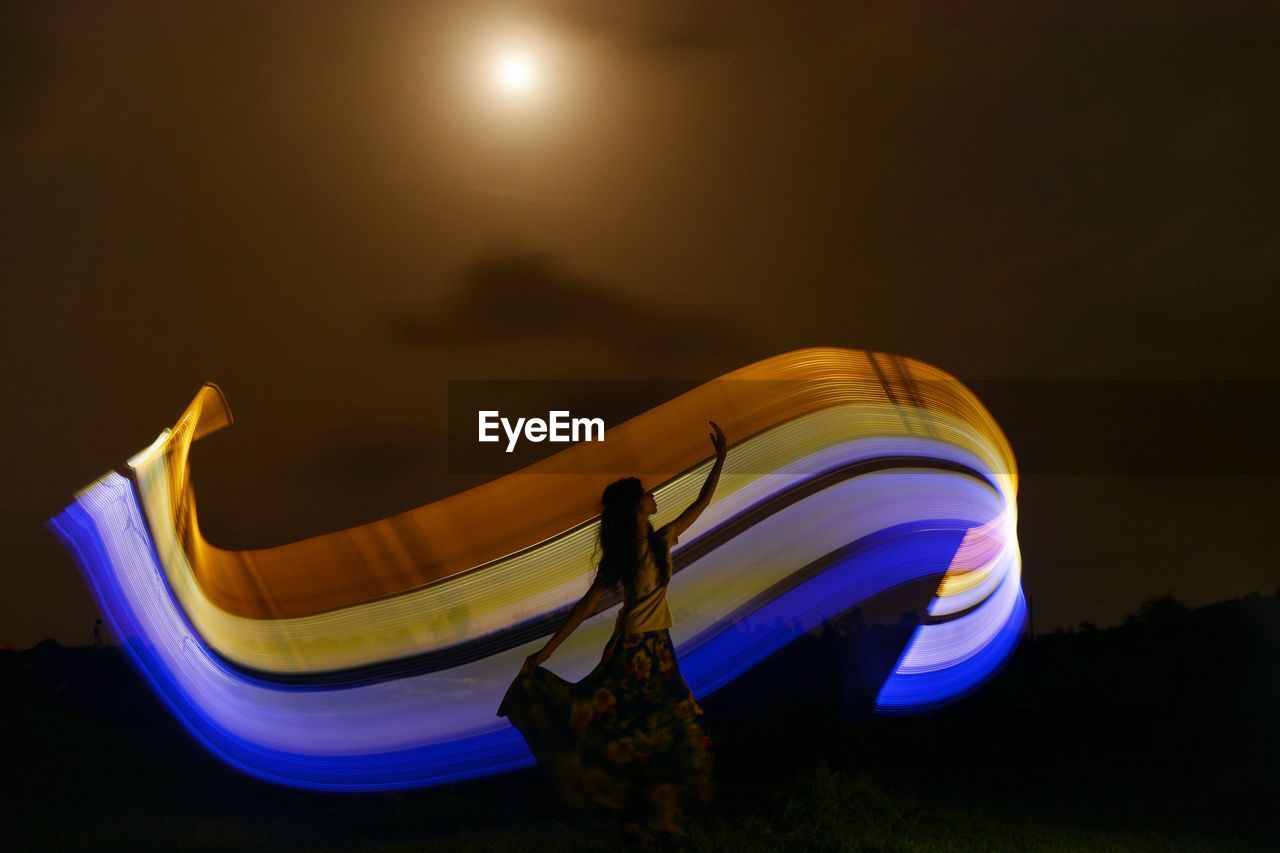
(629, 736)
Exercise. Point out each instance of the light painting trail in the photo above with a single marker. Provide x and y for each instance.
(375, 657)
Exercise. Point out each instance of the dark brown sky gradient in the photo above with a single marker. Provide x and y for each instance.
(325, 210)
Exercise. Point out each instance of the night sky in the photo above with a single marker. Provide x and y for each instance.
(331, 210)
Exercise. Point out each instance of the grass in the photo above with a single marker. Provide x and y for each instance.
(818, 808)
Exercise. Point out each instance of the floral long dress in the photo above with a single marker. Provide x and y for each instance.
(629, 736)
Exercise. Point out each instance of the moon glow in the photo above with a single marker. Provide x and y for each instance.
(515, 73)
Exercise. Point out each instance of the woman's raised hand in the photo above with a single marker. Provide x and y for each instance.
(718, 440)
(535, 660)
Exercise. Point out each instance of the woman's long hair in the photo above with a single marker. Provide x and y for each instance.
(620, 556)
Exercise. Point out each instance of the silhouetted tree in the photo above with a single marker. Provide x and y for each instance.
(1161, 611)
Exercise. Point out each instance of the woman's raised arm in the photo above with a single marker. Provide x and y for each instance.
(693, 510)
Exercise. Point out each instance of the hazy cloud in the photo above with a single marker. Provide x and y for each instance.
(656, 26)
(510, 294)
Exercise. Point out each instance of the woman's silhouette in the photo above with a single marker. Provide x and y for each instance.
(629, 736)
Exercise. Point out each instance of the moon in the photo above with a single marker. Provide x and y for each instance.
(515, 73)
